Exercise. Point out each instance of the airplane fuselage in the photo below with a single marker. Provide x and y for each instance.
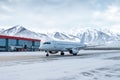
(60, 46)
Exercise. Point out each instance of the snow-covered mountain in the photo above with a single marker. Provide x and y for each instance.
(91, 35)
(1, 30)
(20, 31)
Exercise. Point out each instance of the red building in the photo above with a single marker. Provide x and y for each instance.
(12, 43)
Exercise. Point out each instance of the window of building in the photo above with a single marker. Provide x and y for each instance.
(25, 42)
(12, 42)
(29, 43)
(37, 43)
(2, 42)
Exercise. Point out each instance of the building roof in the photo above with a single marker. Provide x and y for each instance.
(19, 38)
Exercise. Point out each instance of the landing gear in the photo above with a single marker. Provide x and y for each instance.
(75, 54)
(62, 53)
(47, 54)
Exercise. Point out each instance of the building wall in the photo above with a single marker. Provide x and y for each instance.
(7, 44)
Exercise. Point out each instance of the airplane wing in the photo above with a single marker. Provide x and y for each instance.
(81, 47)
(95, 47)
(98, 47)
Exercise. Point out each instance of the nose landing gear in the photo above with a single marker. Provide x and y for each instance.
(47, 54)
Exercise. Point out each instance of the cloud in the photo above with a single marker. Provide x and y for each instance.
(58, 14)
(4, 17)
(111, 14)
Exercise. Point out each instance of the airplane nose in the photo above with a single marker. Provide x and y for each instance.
(43, 47)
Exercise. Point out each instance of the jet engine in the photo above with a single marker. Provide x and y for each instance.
(53, 52)
(74, 51)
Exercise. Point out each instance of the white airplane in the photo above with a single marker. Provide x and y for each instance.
(52, 47)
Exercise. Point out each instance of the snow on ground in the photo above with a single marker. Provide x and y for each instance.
(18, 53)
(88, 65)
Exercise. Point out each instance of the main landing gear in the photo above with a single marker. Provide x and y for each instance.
(75, 54)
(62, 53)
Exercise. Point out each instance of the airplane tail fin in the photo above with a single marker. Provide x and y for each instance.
(82, 41)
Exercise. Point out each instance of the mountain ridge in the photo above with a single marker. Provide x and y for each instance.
(91, 35)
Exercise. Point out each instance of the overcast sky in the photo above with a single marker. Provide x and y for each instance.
(60, 15)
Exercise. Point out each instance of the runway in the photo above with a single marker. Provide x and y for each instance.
(13, 58)
(87, 65)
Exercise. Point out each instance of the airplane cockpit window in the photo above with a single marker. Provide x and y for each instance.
(47, 43)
